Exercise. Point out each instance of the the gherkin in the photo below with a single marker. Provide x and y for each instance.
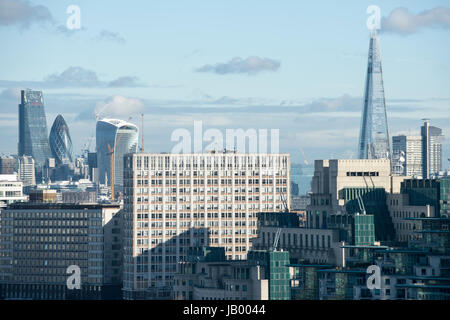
(60, 141)
(374, 135)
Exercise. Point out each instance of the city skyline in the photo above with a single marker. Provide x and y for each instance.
(311, 88)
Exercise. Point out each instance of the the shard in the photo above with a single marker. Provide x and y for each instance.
(374, 135)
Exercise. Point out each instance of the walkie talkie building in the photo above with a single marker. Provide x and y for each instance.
(33, 134)
(374, 135)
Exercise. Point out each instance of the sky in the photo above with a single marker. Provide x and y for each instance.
(296, 66)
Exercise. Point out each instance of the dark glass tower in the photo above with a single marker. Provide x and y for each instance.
(33, 133)
(60, 141)
(374, 136)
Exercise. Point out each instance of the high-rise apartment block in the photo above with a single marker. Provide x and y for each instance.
(175, 201)
(432, 149)
(422, 154)
(409, 148)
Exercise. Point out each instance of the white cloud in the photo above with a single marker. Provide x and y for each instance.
(119, 106)
(251, 65)
(110, 36)
(401, 21)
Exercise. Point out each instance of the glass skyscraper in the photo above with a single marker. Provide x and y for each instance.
(121, 134)
(374, 136)
(60, 141)
(33, 134)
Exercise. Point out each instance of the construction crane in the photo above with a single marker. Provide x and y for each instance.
(276, 239)
(111, 161)
(142, 133)
(304, 157)
(361, 205)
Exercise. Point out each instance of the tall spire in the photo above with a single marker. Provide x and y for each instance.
(374, 135)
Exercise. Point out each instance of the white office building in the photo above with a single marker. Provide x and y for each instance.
(176, 201)
(410, 148)
(27, 170)
(10, 190)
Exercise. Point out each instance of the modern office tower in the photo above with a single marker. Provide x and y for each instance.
(10, 190)
(337, 186)
(374, 135)
(93, 167)
(431, 149)
(27, 170)
(8, 165)
(119, 137)
(410, 148)
(33, 134)
(176, 201)
(40, 241)
(60, 142)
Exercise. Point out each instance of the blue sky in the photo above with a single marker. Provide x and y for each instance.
(312, 58)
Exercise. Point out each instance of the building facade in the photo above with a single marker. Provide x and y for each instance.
(38, 242)
(174, 201)
(8, 165)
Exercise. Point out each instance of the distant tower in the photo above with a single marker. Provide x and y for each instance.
(432, 139)
(60, 141)
(26, 170)
(119, 135)
(33, 134)
(374, 136)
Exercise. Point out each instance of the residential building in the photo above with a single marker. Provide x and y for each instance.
(431, 149)
(410, 150)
